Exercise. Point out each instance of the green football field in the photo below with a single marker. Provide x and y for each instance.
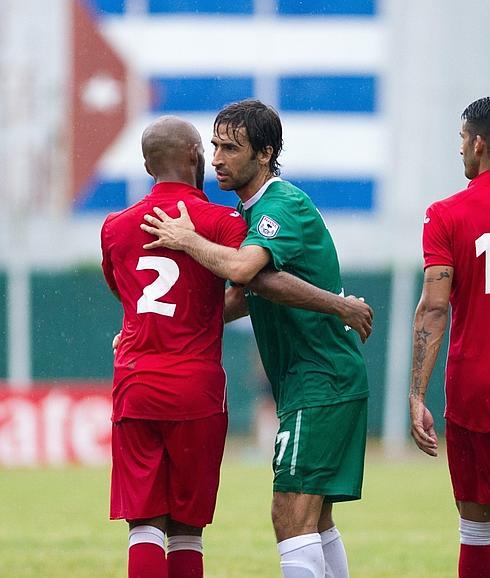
(54, 523)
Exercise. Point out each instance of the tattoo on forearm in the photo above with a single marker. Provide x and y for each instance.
(420, 351)
(442, 275)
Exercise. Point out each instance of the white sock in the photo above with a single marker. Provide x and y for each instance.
(334, 554)
(146, 534)
(302, 557)
(175, 543)
(474, 533)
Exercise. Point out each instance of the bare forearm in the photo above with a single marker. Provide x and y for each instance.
(286, 289)
(235, 304)
(220, 260)
(428, 333)
(292, 291)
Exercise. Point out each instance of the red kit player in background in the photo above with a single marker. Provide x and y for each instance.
(456, 243)
(169, 398)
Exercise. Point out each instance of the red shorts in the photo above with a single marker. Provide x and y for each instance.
(167, 467)
(468, 455)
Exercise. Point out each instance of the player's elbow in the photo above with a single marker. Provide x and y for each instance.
(240, 273)
(438, 307)
(435, 308)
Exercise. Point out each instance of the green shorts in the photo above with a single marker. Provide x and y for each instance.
(320, 450)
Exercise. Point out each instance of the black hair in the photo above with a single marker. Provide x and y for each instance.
(477, 117)
(262, 124)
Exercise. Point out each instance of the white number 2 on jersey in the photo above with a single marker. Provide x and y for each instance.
(168, 273)
(482, 245)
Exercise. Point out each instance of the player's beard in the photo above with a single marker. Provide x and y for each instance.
(471, 168)
(200, 173)
(241, 178)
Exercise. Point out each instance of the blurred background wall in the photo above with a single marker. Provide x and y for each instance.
(370, 93)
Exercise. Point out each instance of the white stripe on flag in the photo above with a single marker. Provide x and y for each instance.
(272, 45)
(314, 145)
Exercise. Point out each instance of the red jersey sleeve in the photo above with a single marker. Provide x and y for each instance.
(107, 267)
(231, 229)
(436, 239)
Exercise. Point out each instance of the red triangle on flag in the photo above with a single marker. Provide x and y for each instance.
(99, 103)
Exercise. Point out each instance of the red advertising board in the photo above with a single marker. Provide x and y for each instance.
(66, 423)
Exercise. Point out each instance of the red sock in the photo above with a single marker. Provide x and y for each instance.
(146, 561)
(474, 561)
(185, 564)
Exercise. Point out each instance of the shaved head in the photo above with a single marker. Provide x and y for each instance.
(171, 147)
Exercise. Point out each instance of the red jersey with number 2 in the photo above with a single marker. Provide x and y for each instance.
(457, 233)
(168, 363)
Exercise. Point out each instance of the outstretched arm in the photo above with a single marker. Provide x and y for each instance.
(286, 289)
(428, 332)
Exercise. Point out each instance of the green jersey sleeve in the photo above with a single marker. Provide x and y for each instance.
(274, 227)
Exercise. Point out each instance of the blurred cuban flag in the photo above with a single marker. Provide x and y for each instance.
(318, 62)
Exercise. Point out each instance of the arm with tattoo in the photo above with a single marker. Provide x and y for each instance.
(428, 332)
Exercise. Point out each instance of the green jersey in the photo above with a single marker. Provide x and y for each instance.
(311, 359)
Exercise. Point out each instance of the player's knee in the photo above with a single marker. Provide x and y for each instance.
(159, 522)
(290, 517)
(280, 514)
(179, 529)
(285, 527)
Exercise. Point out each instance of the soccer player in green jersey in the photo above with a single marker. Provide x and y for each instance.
(317, 373)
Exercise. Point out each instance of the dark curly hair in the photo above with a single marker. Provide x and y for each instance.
(477, 117)
(262, 124)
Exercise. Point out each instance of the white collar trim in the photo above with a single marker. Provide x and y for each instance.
(255, 198)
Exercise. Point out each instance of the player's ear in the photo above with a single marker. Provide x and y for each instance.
(195, 153)
(480, 144)
(148, 170)
(264, 156)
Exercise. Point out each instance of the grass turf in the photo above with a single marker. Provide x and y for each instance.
(54, 523)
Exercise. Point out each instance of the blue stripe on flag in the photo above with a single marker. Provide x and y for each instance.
(102, 7)
(102, 195)
(340, 194)
(327, 194)
(328, 7)
(328, 93)
(198, 94)
(176, 6)
(317, 7)
(202, 6)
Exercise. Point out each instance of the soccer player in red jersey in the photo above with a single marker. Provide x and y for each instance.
(169, 394)
(456, 243)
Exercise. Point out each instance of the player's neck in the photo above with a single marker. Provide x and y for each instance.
(249, 189)
(484, 166)
(176, 177)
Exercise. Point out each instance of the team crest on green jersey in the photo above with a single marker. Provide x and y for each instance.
(267, 227)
